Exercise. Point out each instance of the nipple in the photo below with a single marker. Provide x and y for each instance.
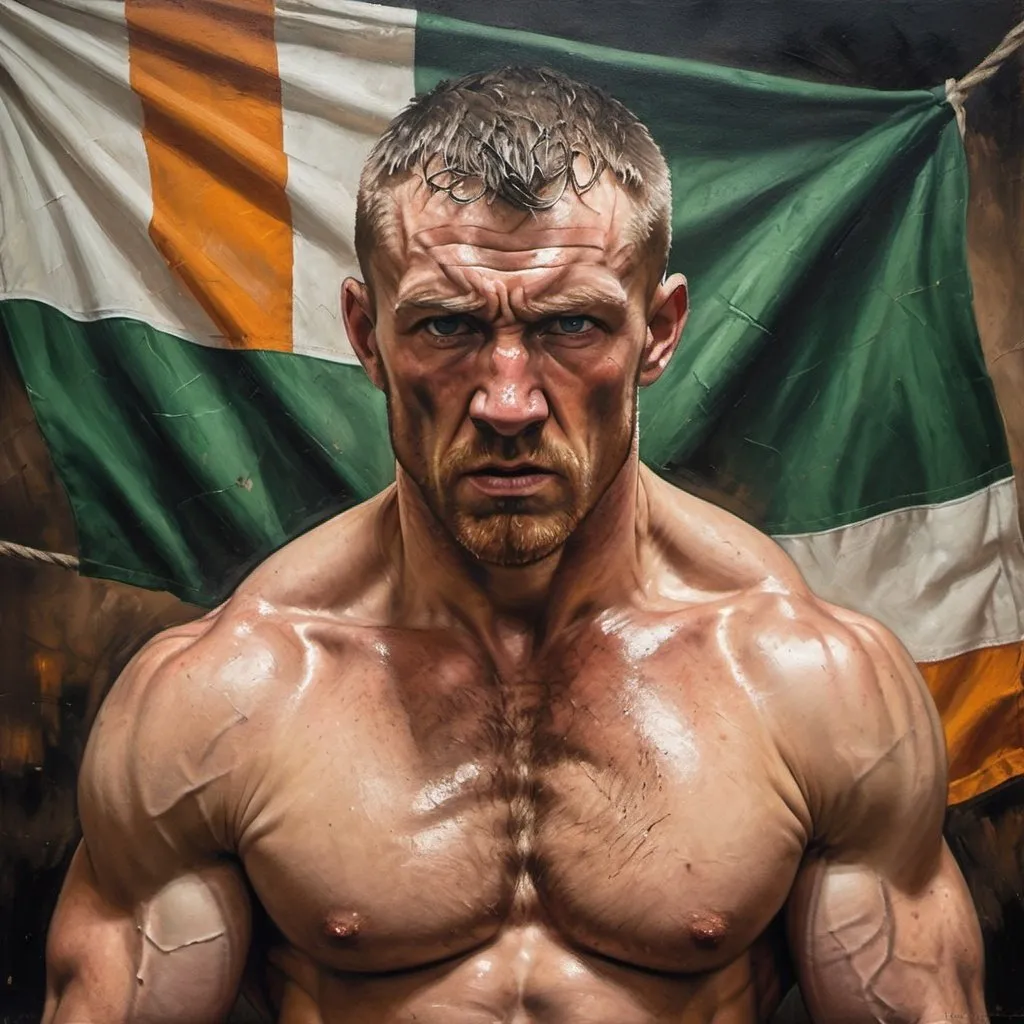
(343, 925)
(707, 929)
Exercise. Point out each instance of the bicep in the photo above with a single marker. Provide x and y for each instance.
(177, 954)
(881, 924)
(867, 948)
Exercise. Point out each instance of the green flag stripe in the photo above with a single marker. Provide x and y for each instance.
(831, 368)
(208, 459)
(186, 464)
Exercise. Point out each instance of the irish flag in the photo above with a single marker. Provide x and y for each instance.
(177, 190)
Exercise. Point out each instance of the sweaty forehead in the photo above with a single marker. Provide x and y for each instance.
(430, 230)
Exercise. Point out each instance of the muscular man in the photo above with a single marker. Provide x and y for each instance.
(532, 736)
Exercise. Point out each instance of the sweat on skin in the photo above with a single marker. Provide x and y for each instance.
(531, 736)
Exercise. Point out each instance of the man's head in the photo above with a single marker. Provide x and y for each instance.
(512, 228)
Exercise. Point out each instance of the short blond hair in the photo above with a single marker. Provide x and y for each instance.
(518, 134)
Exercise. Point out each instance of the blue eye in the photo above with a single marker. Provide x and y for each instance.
(572, 325)
(446, 326)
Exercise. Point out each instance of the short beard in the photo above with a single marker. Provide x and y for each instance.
(511, 538)
(509, 532)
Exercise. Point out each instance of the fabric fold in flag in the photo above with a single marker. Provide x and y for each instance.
(177, 201)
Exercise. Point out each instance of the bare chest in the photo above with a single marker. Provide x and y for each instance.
(637, 817)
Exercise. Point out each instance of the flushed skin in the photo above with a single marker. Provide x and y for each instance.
(575, 789)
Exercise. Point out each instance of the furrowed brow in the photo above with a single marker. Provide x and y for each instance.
(443, 303)
(574, 301)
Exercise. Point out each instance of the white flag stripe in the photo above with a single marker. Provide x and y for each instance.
(346, 69)
(945, 578)
(75, 200)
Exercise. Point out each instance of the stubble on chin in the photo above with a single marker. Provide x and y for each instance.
(510, 538)
(508, 531)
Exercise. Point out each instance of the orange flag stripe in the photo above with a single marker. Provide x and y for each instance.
(206, 73)
(980, 699)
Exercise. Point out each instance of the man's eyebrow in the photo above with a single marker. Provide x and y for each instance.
(570, 301)
(446, 303)
(574, 300)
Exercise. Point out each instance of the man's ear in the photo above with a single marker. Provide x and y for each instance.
(357, 310)
(669, 309)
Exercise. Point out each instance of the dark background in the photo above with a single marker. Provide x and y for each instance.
(63, 638)
(883, 44)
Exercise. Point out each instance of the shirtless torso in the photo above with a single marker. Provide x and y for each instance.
(532, 737)
(602, 834)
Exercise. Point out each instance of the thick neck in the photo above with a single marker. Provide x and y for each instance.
(513, 610)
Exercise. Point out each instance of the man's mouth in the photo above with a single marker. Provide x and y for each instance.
(519, 479)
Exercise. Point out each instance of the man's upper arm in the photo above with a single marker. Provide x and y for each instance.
(881, 923)
(153, 922)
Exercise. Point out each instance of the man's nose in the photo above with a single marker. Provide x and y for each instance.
(510, 398)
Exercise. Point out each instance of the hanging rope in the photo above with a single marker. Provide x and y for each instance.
(8, 549)
(958, 89)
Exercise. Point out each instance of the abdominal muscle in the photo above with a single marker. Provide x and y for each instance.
(524, 976)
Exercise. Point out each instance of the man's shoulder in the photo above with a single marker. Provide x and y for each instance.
(250, 650)
(224, 679)
(245, 646)
(848, 708)
(189, 709)
(811, 650)
(337, 565)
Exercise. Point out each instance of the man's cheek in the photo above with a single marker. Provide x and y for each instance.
(607, 403)
(423, 400)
